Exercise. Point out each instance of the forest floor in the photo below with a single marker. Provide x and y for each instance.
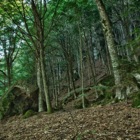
(110, 122)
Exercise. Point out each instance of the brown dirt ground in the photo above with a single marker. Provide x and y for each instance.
(111, 122)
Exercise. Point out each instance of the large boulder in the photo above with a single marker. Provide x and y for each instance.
(17, 100)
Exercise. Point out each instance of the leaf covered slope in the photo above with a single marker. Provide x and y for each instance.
(110, 122)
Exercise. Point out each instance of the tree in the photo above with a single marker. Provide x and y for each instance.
(33, 30)
(10, 51)
(64, 37)
(111, 45)
(9, 42)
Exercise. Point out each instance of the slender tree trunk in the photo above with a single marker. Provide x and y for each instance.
(89, 61)
(39, 26)
(111, 45)
(72, 77)
(9, 76)
(43, 73)
(68, 79)
(78, 63)
(52, 77)
(39, 83)
(108, 59)
(81, 66)
(92, 64)
(54, 84)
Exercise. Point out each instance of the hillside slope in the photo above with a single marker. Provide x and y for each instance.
(111, 122)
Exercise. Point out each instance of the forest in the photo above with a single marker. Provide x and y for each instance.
(69, 61)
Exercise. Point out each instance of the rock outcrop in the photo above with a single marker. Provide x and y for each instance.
(17, 100)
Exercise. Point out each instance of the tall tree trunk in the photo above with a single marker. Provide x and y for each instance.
(9, 74)
(111, 45)
(89, 61)
(39, 26)
(53, 79)
(39, 83)
(72, 77)
(81, 64)
(108, 59)
(92, 64)
(43, 74)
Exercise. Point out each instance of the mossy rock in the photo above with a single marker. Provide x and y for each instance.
(78, 103)
(29, 113)
(16, 101)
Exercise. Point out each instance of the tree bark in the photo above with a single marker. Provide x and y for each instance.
(40, 43)
(81, 66)
(43, 74)
(39, 83)
(111, 45)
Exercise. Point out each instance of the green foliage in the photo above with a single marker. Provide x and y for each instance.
(6, 100)
(1, 115)
(108, 81)
(127, 66)
(15, 101)
(108, 95)
(136, 101)
(64, 21)
(5, 103)
(105, 93)
(28, 114)
(2, 90)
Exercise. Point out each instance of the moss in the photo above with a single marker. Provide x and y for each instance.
(16, 101)
(1, 115)
(108, 95)
(29, 113)
(5, 104)
(136, 101)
